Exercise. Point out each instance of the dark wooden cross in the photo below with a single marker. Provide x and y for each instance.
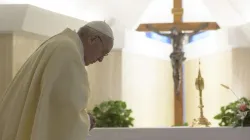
(178, 31)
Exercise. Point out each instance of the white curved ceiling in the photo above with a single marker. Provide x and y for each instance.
(129, 13)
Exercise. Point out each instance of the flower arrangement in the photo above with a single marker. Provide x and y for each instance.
(235, 114)
(242, 113)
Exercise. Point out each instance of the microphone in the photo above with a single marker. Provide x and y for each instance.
(228, 88)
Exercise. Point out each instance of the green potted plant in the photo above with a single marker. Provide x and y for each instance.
(112, 114)
(235, 114)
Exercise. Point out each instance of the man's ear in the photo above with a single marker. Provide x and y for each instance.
(92, 39)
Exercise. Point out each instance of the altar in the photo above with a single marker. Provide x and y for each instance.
(178, 133)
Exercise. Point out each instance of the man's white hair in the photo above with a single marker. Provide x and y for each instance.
(101, 27)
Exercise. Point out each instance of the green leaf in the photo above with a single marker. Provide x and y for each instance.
(218, 117)
(123, 105)
(113, 114)
(222, 109)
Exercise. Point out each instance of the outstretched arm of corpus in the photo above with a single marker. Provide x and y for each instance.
(198, 30)
(156, 31)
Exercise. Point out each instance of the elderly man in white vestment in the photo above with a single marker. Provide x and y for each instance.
(48, 97)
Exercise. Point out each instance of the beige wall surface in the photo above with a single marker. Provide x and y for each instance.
(147, 88)
(105, 79)
(241, 71)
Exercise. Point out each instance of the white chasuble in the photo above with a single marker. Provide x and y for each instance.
(47, 98)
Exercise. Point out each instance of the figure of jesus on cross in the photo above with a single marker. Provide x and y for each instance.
(177, 56)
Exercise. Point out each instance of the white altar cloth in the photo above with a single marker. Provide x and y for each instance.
(178, 133)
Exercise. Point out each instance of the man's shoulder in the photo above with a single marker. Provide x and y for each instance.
(61, 46)
(61, 39)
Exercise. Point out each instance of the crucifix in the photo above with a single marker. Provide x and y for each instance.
(178, 31)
